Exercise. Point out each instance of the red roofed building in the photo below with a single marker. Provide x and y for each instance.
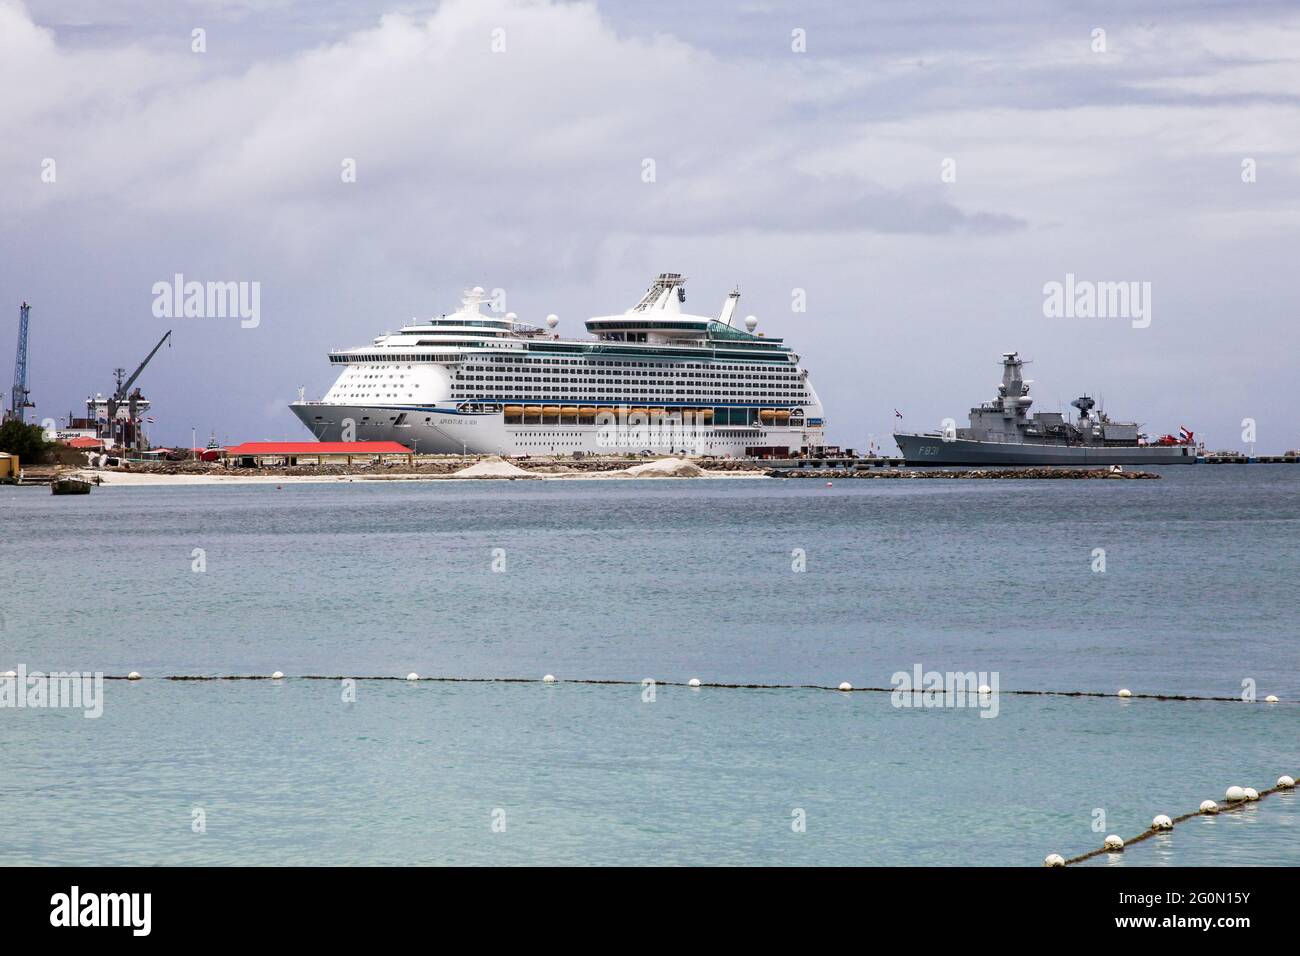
(84, 443)
(253, 453)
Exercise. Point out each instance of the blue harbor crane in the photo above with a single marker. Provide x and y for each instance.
(21, 398)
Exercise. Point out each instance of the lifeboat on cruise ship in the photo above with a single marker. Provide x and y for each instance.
(782, 416)
(767, 415)
(569, 411)
(586, 411)
(657, 413)
(513, 413)
(532, 412)
(704, 414)
(550, 411)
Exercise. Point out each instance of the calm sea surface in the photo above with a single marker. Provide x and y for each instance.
(652, 579)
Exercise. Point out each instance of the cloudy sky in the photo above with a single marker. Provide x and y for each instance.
(920, 170)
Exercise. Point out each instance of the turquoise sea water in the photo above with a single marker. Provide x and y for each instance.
(652, 579)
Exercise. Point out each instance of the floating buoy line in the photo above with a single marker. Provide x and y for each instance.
(1235, 797)
(842, 687)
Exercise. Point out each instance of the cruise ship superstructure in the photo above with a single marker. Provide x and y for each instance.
(652, 379)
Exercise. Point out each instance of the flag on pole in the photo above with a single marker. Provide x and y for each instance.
(897, 413)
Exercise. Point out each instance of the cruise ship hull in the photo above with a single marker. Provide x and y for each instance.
(936, 450)
(446, 431)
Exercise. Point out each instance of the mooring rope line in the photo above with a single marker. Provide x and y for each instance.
(693, 683)
(1163, 824)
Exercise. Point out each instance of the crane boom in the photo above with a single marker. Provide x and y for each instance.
(119, 396)
(21, 398)
(126, 386)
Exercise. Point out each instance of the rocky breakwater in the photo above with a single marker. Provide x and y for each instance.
(1074, 474)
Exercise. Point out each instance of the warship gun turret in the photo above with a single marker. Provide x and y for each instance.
(1003, 432)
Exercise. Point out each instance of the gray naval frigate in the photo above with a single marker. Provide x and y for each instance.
(1002, 432)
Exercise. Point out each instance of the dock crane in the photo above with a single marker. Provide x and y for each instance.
(21, 398)
(121, 395)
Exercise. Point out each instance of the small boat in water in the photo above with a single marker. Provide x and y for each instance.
(70, 486)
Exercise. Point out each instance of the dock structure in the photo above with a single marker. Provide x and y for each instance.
(255, 454)
(851, 463)
(1224, 458)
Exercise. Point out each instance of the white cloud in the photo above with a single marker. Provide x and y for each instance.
(557, 126)
(774, 170)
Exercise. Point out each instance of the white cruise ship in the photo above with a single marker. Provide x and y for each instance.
(653, 379)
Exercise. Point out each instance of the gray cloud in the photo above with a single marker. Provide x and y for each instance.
(773, 169)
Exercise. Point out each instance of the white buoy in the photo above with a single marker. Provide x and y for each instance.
(1113, 842)
(413, 676)
(693, 682)
(1054, 859)
(1252, 793)
(1125, 692)
(134, 675)
(1285, 782)
(1162, 822)
(1235, 794)
(1209, 806)
(1271, 699)
(278, 675)
(845, 685)
(985, 690)
(549, 679)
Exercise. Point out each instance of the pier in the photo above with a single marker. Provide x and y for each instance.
(853, 463)
(390, 461)
(1290, 458)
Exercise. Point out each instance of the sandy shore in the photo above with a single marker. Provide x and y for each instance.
(132, 479)
(143, 478)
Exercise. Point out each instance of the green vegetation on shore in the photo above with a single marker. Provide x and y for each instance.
(26, 441)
